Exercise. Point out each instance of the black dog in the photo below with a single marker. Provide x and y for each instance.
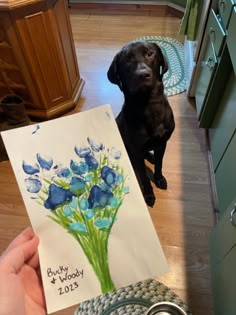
(146, 120)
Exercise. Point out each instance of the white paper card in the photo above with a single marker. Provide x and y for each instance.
(85, 205)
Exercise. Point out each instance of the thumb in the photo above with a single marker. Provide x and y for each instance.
(13, 260)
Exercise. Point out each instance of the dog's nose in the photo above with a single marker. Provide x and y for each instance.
(143, 74)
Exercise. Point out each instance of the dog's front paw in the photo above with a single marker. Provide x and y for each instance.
(149, 199)
(160, 182)
(150, 157)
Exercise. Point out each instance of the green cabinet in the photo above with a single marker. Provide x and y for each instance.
(231, 38)
(216, 99)
(222, 140)
(224, 124)
(223, 263)
(213, 71)
(225, 177)
(181, 3)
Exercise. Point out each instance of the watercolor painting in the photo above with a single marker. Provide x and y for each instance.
(83, 198)
(85, 204)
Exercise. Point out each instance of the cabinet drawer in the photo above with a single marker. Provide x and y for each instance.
(225, 177)
(223, 236)
(231, 38)
(223, 125)
(208, 68)
(216, 32)
(225, 10)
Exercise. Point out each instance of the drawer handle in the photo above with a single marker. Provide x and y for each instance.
(222, 4)
(210, 63)
(212, 34)
(232, 216)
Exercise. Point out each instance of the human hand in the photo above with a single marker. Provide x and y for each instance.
(21, 290)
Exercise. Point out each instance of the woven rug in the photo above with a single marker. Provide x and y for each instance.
(131, 300)
(174, 79)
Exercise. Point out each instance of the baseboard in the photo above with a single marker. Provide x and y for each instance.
(163, 8)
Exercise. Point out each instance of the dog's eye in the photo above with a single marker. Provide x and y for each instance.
(150, 53)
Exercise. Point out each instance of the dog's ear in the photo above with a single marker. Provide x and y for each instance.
(162, 62)
(113, 72)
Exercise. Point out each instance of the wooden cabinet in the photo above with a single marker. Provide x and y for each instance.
(37, 56)
(223, 262)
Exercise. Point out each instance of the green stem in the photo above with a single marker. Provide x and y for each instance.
(97, 255)
(103, 273)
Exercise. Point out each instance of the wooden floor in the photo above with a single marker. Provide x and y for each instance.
(182, 215)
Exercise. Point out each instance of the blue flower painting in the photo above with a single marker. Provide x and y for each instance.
(83, 197)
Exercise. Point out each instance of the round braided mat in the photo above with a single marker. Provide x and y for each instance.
(131, 300)
(174, 79)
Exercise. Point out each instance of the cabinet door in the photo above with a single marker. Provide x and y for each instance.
(208, 68)
(223, 263)
(223, 126)
(224, 285)
(223, 236)
(231, 38)
(225, 177)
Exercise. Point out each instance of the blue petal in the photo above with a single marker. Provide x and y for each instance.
(114, 202)
(99, 198)
(108, 175)
(101, 223)
(89, 177)
(115, 154)
(83, 167)
(91, 162)
(57, 196)
(44, 161)
(104, 187)
(74, 166)
(33, 185)
(78, 226)
(95, 147)
(74, 203)
(82, 152)
(83, 204)
(126, 190)
(30, 169)
(77, 185)
(67, 211)
(89, 214)
(79, 168)
(119, 179)
(63, 172)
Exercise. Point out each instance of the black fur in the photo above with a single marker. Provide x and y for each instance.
(146, 120)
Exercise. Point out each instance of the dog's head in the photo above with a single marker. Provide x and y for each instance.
(137, 67)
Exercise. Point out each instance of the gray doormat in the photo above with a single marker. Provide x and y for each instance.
(131, 300)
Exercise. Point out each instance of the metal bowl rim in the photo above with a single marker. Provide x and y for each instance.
(173, 305)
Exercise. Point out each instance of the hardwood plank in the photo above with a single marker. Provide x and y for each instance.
(182, 215)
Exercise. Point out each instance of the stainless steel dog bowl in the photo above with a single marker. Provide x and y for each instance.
(165, 308)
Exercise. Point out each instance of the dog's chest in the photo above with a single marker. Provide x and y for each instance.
(153, 123)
